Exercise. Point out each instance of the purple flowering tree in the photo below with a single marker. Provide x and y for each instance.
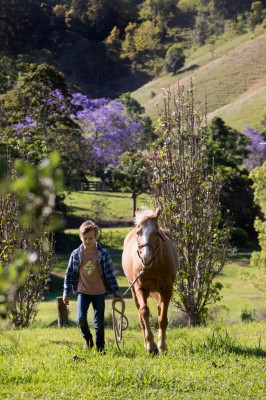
(257, 149)
(109, 130)
(35, 119)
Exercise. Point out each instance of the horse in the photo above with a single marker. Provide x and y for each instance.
(150, 259)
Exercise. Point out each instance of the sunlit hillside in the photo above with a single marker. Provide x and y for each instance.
(232, 76)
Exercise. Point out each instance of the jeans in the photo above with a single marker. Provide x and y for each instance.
(98, 303)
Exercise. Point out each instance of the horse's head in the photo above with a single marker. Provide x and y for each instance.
(148, 235)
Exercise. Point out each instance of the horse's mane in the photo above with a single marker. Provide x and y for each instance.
(144, 213)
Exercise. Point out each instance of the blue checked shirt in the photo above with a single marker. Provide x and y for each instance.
(106, 267)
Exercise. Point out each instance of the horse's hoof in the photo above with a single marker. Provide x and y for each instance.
(153, 352)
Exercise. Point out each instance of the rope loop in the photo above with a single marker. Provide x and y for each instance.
(120, 323)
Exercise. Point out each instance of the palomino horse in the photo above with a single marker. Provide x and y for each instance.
(147, 248)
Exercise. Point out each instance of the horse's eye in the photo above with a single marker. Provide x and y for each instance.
(139, 233)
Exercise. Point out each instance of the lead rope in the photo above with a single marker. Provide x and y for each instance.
(121, 324)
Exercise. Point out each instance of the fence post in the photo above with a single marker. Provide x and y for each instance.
(62, 312)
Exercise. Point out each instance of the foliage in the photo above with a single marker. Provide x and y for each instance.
(23, 25)
(239, 237)
(227, 149)
(36, 118)
(258, 259)
(237, 200)
(188, 194)
(84, 38)
(130, 175)
(106, 127)
(174, 59)
(27, 202)
(226, 145)
(257, 150)
(135, 111)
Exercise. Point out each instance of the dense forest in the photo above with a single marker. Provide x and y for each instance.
(106, 48)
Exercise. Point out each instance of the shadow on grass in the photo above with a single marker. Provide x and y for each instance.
(248, 352)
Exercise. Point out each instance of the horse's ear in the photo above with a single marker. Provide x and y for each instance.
(158, 212)
(136, 211)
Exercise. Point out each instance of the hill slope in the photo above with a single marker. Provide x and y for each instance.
(234, 81)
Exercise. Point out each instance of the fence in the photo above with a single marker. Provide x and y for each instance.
(96, 186)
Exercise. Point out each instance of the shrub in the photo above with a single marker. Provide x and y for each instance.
(174, 59)
(239, 237)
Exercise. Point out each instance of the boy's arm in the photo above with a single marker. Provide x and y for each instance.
(110, 276)
(68, 278)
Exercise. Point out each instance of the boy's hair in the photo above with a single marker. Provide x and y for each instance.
(88, 226)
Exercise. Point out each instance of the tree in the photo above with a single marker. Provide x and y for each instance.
(135, 111)
(109, 131)
(157, 10)
(188, 194)
(226, 145)
(231, 9)
(27, 199)
(23, 25)
(257, 149)
(36, 118)
(174, 59)
(258, 258)
(104, 15)
(131, 175)
(114, 44)
(227, 149)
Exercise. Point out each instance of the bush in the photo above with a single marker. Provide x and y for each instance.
(174, 59)
(239, 237)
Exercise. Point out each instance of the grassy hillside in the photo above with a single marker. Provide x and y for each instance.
(232, 75)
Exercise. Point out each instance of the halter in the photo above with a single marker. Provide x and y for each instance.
(154, 251)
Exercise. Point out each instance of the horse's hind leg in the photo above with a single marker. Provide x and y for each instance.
(163, 320)
(140, 298)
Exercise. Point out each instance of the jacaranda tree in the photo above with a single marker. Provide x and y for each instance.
(256, 147)
(35, 118)
(108, 129)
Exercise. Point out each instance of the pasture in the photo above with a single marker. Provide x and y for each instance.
(224, 360)
(231, 74)
(215, 362)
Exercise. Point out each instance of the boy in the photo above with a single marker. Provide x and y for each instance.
(91, 275)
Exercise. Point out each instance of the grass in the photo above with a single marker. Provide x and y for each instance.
(115, 205)
(201, 363)
(238, 292)
(220, 361)
(227, 74)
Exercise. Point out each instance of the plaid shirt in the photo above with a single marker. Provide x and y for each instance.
(106, 267)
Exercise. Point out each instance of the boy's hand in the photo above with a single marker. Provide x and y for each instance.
(66, 300)
(119, 296)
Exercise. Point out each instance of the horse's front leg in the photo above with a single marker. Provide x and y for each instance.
(144, 319)
(163, 320)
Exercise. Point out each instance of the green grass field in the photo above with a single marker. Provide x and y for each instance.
(115, 205)
(224, 360)
(239, 294)
(215, 362)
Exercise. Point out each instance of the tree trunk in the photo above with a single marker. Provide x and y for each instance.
(62, 312)
(134, 198)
